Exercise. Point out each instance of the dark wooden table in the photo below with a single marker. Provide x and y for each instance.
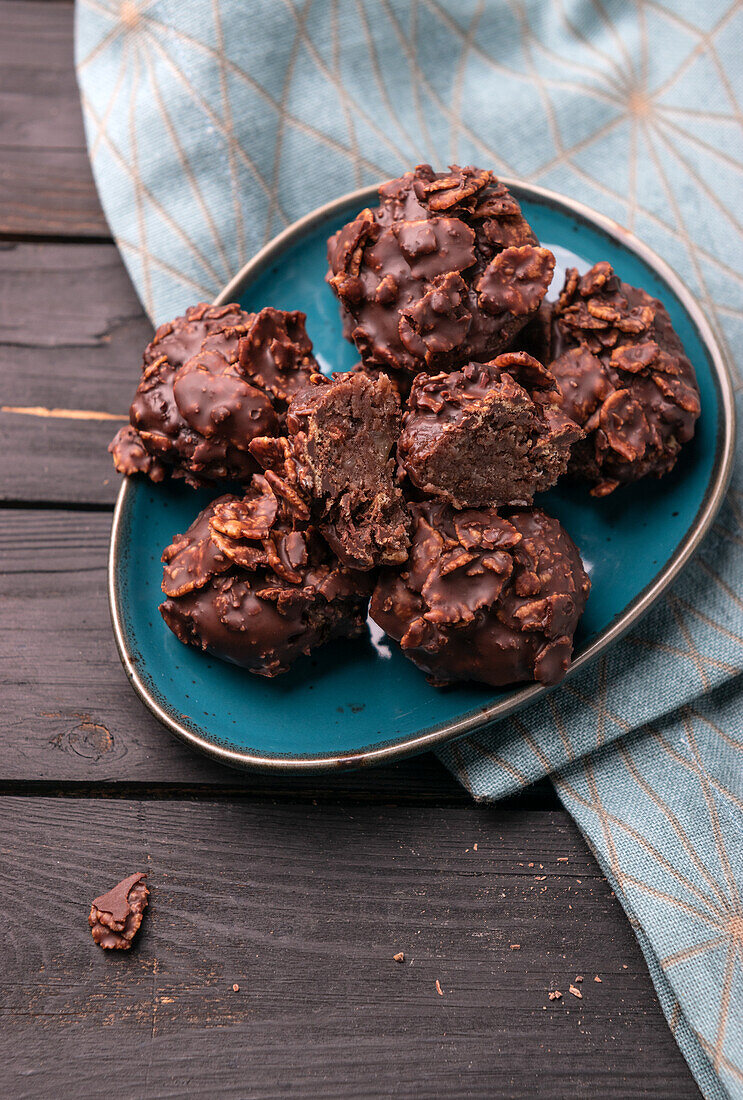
(299, 891)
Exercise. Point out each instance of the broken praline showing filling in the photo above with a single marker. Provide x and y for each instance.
(490, 434)
(337, 455)
(484, 596)
(445, 270)
(253, 583)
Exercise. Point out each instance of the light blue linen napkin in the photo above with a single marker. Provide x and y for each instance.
(212, 124)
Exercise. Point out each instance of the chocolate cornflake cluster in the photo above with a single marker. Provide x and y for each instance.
(489, 434)
(252, 582)
(337, 455)
(445, 270)
(211, 382)
(485, 596)
(410, 479)
(625, 379)
(115, 917)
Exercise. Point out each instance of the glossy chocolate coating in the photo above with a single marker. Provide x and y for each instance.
(485, 597)
(341, 434)
(115, 917)
(251, 583)
(624, 377)
(489, 434)
(444, 271)
(211, 382)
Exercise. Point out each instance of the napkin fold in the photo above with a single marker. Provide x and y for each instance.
(212, 124)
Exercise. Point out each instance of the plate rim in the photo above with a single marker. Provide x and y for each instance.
(481, 717)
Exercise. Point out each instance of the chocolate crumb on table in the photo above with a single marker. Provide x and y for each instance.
(485, 596)
(489, 434)
(445, 270)
(337, 456)
(625, 379)
(115, 917)
(212, 380)
(251, 582)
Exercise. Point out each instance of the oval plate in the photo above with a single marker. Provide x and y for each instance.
(357, 703)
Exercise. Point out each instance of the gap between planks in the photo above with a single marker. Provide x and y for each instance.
(539, 798)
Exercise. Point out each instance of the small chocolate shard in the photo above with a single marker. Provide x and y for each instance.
(115, 917)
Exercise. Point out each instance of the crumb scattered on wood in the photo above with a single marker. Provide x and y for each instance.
(624, 966)
(236, 988)
(555, 995)
(562, 859)
(578, 978)
(439, 990)
(474, 847)
(576, 992)
(597, 979)
(399, 957)
(539, 878)
(515, 946)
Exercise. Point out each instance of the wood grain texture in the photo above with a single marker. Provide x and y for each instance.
(69, 715)
(79, 347)
(46, 184)
(304, 907)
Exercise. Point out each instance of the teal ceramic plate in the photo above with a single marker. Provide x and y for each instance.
(355, 703)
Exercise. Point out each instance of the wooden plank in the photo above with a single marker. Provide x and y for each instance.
(69, 715)
(303, 907)
(77, 347)
(46, 184)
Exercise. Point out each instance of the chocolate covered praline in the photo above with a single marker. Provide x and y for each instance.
(624, 377)
(212, 380)
(489, 434)
(252, 583)
(487, 597)
(338, 456)
(445, 270)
